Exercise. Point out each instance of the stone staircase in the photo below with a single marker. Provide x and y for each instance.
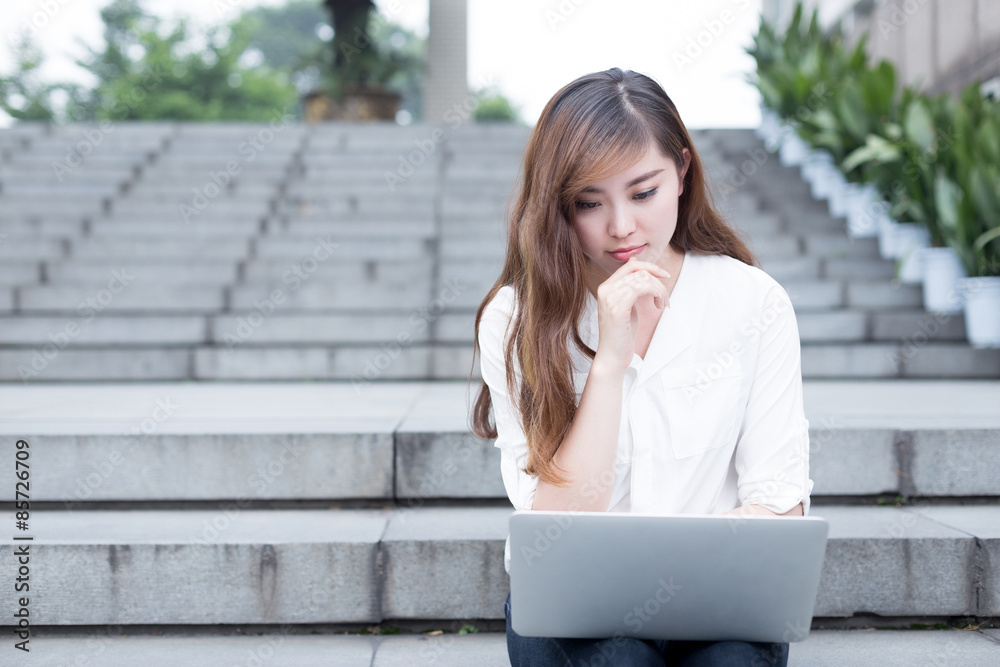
(218, 509)
(258, 519)
(239, 252)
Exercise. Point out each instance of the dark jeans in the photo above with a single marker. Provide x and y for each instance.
(551, 651)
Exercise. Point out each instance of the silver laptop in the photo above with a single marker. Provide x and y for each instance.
(684, 577)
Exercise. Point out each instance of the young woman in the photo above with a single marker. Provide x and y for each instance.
(634, 356)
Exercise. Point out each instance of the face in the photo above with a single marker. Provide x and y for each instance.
(635, 208)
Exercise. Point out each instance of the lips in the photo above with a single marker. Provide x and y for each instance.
(624, 254)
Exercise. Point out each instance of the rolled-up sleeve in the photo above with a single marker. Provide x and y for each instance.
(772, 453)
(510, 439)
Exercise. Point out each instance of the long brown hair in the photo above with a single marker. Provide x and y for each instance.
(594, 127)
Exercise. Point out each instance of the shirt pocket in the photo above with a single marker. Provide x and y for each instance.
(702, 405)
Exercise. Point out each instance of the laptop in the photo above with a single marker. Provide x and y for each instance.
(685, 577)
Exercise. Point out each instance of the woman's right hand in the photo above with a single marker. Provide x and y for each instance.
(616, 312)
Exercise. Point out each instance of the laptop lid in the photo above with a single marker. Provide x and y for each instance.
(684, 577)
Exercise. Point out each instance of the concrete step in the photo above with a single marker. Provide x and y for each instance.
(109, 329)
(367, 322)
(32, 249)
(181, 270)
(309, 213)
(176, 216)
(403, 358)
(808, 295)
(126, 229)
(203, 207)
(116, 295)
(354, 271)
(123, 249)
(916, 439)
(375, 229)
(909, 357)
(170, 195)
(891, 648)
(42, 226)
(18, 272)
(326, 295)
(326, 246)
(360, 566)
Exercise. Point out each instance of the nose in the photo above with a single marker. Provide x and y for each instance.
(622, 223)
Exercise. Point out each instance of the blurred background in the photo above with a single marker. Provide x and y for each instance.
(243, 245)
(519, 51)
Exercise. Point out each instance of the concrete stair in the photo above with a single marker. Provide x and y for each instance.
(323, 478)
(317, 234)
(187, 513)
(309, 489)
(823, 648)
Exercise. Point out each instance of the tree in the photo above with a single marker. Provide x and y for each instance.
(22, 94)
(145, 75)
(493, 107)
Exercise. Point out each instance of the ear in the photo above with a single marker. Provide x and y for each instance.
(687, 163)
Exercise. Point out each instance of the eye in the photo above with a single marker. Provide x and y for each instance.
(586, 205)
(645, 195)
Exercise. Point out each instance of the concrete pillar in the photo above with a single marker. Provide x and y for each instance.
(447, 59)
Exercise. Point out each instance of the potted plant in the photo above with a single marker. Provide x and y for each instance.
(355, 85)
(981, 290)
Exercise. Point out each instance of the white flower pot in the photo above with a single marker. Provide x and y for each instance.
(824, 180)
(864, 210)
(793, 150)
(910, 237)
(981, 297)
(942, 270)
(814, 164)
(778, 137)
(887, 237)
(839, 196)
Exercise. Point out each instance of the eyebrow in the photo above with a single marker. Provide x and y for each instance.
(634, 181)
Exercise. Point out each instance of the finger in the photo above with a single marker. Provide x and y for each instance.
(634, 264)
(628, 289)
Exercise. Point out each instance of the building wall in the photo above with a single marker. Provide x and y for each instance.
(936, 45)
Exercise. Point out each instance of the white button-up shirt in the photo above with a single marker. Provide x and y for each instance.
(712, 417)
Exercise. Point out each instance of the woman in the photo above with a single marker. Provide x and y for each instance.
(635, 357)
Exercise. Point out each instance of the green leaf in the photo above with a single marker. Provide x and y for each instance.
(983, 188)
(988, 140)
(947, 196)
(876, 149)
(919, 125)
(985, 238)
